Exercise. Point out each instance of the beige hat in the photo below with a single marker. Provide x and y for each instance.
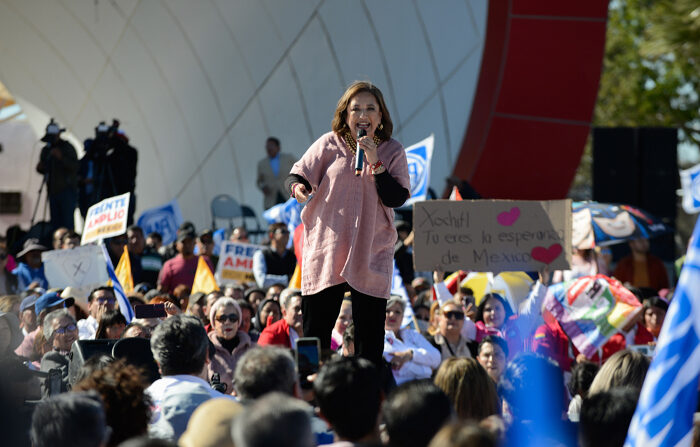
(210, 424)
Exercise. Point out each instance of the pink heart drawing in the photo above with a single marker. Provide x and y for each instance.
(508, 218)
(546, 255)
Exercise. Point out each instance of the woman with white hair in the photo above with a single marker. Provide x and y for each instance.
(228, 339)
(60, 331)
(411, 356)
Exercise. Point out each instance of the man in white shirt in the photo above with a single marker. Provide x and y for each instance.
(101, 300)
(180, 346)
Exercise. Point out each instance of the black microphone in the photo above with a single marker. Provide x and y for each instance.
(360, 153)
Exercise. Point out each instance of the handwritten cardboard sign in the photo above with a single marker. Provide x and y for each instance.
(236, 262)
(82, 268)
(106, 219)
(492, 235)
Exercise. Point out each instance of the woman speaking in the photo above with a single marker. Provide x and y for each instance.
(349, 230)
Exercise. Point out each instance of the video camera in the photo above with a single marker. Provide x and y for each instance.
(104, 140)
(53, 131)
(104, 131)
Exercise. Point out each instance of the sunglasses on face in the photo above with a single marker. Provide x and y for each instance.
(230, 317)
(62, 330)
(456, 314)
(106, 300)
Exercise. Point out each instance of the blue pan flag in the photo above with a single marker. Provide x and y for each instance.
(664, 415)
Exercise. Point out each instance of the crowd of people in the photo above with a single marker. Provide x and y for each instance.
(222, 367)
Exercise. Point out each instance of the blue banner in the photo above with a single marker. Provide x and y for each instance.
(288, 212)
(664, 415)
(418, 157)
(164, 219)
(690, 180)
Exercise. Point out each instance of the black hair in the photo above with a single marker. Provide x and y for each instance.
(349, 394)
(180, 345)
(69, 235)
(494, 340)
(480, 308)
(135, 228)
(274, 140)
(109, 318)
(93, 291)
(244, 304)
(69, 419)
(414, 412)
(656, 301)
(582, 375)
(606, 416)
(155, 235)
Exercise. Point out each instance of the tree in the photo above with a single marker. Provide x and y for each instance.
(651, 72)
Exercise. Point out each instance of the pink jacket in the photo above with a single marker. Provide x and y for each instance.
(349, 234)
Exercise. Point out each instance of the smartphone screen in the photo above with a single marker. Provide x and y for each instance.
(54, 381)
(149, 310)
(308, 355)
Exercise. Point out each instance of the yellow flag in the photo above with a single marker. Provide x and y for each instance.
(295, 282)
(203, 278)
(123, 272)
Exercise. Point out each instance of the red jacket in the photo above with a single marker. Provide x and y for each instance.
(550, 340)
(276, 334)
(656, 271)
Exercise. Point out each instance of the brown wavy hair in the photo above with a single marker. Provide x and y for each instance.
(339, 124)
(127, 407)
(469, 387)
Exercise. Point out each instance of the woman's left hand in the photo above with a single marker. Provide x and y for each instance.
(370, 148)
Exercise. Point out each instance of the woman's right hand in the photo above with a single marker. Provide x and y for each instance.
(300, 193)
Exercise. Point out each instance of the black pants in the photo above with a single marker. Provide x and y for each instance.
(321, 310)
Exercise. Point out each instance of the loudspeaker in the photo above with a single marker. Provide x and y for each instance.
(82, 351)
(638, 166)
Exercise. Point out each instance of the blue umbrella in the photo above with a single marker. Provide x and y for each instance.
(601, 224)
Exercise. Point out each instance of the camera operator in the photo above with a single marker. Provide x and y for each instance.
(108, 168)
(58, 163)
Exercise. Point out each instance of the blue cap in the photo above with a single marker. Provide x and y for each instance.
(28, 302)
(50, 299)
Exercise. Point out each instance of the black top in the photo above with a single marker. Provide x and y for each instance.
(279, 265)
(390, 192)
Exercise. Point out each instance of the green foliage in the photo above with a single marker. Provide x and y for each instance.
(651, 71)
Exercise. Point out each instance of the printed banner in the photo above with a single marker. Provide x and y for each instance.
(492, 235)
(236, 262)
(418, 157)
(82, 268)
(591, 309)
(288, 212)
(164, 219)
(690, 181)
(106, 219)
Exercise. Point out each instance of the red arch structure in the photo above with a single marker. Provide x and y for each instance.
(534, 102)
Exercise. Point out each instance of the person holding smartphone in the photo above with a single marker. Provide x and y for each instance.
(228, 339)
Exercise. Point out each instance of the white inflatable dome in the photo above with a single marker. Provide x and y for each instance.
(199, 85)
